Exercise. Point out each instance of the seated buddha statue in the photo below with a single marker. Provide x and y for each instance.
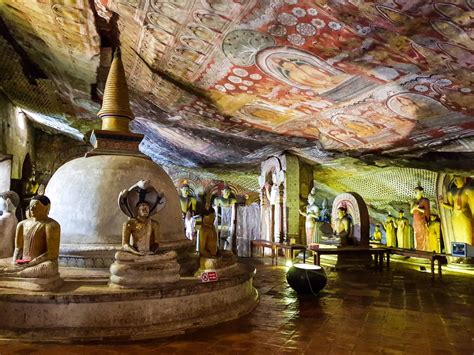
(139, 254)
(377, 236)
(9, 201)
(36, 249)
(343, 227)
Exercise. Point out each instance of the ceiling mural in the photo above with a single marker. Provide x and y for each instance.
(234, 81)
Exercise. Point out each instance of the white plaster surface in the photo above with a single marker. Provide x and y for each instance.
(84, 194)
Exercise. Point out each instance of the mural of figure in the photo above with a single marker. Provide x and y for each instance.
(403, 230)
(460, 201)
(420, 208)
(343, 227)
(434, 234)
(300, 69)
(312, 215)
(390, 228)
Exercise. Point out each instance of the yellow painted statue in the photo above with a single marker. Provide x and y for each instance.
(208, 235)
(390, 228)
(187, 202)
(343, 227)
(434, 234)
(36, 248)
(460, 201)
(377, 236)
(403, 231)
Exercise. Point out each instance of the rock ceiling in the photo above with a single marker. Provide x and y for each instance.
(234, 81)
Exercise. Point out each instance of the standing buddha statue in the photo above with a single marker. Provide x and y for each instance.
(390, 236)
(420, 208)
(403, 231)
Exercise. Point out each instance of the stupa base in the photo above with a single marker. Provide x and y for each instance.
(86, 309)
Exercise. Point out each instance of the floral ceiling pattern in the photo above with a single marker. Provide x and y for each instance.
(234, 81)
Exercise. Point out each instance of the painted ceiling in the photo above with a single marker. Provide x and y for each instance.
(217, 82)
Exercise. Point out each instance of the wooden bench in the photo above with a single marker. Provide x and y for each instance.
(433, 257)
(291, 248)
(256, 243)
(377, 252)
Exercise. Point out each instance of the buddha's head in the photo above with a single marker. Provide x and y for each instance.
(39, 207)
(433, 217)
(418, 192)
(401, 213)
(185, 190)
(341, 212)
(226, 192)
(377, 228)
(143, 209)
(389, 218)
(311, 199)
(459, 181)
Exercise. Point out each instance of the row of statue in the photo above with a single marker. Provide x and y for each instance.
(425, 232)
(34, 242)
(223, 207)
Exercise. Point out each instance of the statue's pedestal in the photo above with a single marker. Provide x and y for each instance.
(32, 284)
(222, 263)
(86, 309)
(149, 271)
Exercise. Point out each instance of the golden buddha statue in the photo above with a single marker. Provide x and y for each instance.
(390, 236)
(343, 227)
(434, 234)
(377, 236)
(36, 247)
(226, 199)
(420, 208)
(403, 230)
(187, 201)
(208, 235)
(460, 201)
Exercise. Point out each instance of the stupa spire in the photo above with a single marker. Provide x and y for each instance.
(115, 112)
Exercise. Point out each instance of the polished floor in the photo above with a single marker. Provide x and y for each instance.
(400, 311)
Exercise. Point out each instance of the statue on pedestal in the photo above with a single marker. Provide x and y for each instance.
(420, 208)
(224, 206)
(35, 259)
(188, 204)
(312, 215)
(9, 201)
(434, 234)
(139, 264)
(390, 228)
(208, 235)
(343, 227)
(460, 201)
(403, 231)
(377, 236)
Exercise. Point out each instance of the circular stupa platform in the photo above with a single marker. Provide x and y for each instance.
(85, 309)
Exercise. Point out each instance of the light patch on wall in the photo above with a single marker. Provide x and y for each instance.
(56, 123)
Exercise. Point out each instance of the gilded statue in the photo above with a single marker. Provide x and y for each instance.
(311, 215)
(434, 234)
(187, 201)
(36, 244)
(460, 201)
(208, 235)
(377, 236)
(9, 201)
(420, 208)
(390, 228)
(403, 231)
(226, 199)
(343, 227)
(140, 233)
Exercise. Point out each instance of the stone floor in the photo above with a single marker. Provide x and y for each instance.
(360, 312)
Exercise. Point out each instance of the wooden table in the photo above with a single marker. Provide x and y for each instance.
(377, 252)
(440, 258)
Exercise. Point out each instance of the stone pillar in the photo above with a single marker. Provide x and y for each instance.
(292, 197)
